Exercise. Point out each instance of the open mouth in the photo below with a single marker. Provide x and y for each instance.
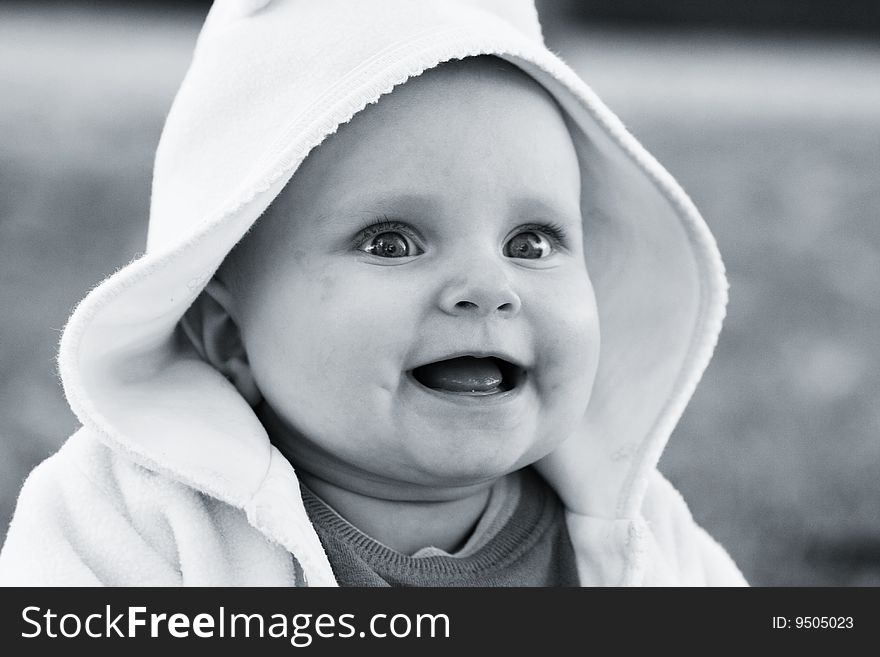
(469, 375)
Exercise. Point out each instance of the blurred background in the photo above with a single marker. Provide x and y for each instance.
(767, 112)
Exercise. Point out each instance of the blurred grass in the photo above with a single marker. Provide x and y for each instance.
(84, 94)
(778, 143)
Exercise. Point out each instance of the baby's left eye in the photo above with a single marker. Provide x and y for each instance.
(528, 244)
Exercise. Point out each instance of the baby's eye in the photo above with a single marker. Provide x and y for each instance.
(389, 244)
(529, 245)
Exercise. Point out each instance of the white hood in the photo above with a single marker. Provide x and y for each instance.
(269, 81)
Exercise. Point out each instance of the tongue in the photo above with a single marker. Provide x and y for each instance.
(465, 374)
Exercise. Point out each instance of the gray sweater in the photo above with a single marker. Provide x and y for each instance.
(531, 547)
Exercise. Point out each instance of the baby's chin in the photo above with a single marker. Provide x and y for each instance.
(475, 465)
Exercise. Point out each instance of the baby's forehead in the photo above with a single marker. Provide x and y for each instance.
(460, 91)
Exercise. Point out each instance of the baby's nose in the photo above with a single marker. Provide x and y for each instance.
(480, 296)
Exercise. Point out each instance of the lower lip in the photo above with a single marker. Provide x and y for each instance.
(471, 399)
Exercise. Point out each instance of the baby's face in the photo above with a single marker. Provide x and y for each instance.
(418, 311)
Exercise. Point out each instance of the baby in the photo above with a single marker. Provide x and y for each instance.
(414, 312)
(394, 376)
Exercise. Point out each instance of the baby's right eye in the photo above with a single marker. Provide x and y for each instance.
(385, 240)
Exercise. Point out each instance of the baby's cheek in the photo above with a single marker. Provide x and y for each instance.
(358, 327)
(570, 345)
(326, 287)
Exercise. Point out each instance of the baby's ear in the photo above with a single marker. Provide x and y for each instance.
(210, 328)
